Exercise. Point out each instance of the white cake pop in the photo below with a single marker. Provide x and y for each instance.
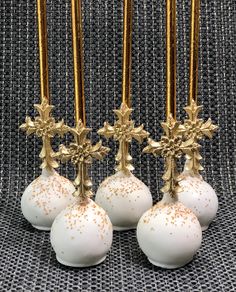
(81, 234)
(45, 198)
(123, 196)
(169, 234)
(50, 193)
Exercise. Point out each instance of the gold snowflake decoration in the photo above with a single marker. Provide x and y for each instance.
(171, 147)
(197, 129)
(124, 131)
(81, 153)
(45, 127)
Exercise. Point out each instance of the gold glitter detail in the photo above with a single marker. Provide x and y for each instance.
(77, 215)
(122, 185)
(173, 211)
(124, 131)
(44, 190)
(193, 183)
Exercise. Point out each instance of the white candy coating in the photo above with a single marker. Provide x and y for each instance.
(45, 198)
(125, 198)
(169, 234)
(81, 235)
(200, 197)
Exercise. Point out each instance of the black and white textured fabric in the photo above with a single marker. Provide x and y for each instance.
(27, 261)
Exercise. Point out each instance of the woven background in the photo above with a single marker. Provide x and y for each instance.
(27, 262)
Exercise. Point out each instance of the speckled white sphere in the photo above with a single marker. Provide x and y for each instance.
(169, 234)
(125, 198)
(45, 198)
(200, 197)
(81, 235)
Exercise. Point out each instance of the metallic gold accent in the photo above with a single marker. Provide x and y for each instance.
(196, 129)
(171, 147)
(194, 42)
(127, 51)
(44, 126)
(124, 131)
(77, 37)
(43, 48)
(171, 58)
(81, 152)
(193, 127)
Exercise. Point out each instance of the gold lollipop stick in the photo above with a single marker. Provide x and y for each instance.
(171, 58)
(194, 127)
(77, 41)
(81, 152)
(172, 145)
(194, 44)
(127, 51)
(124, 129)
(43, 48)
(44, 125)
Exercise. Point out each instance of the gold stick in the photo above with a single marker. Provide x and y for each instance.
(77, 39)
(194, 42)
(43, 48)
(171, 58)
(127, 55)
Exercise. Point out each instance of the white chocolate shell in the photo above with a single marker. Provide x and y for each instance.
(125, 198)
(200, 197)
(45, 198)
(81, 235)
(169, 234)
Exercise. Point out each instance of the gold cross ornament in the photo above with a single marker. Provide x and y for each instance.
(171, 147)
(81, 153)
(196, 129)
(124, 131)
(45, 127)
